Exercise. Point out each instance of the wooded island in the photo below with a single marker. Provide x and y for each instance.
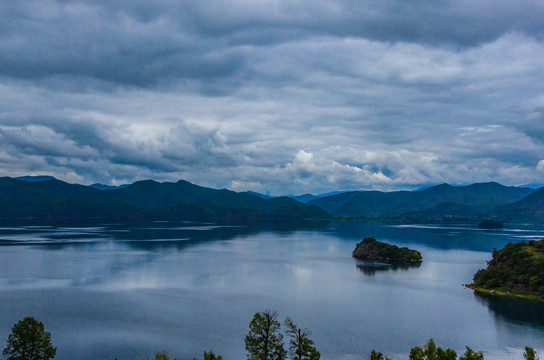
(372, 249)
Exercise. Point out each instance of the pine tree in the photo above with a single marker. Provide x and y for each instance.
(529, 353)
(264, 340)
(374, 355)
(301, 347)
(211, 356)
(431, 352)
(472, 355)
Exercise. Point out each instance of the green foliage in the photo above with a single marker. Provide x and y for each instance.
(372, 249)
(491, 224)
(460, 201)
(529, 353)
(518, 268)
(161, 355)
(211, 356)
(301, 347)
(374, 355)
(148, 200)
(431, 352)
(472, 355)
(264, 340)
(29, 341)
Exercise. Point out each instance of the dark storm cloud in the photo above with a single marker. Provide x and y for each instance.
(80, 40)
(144, 43)
(273, 96)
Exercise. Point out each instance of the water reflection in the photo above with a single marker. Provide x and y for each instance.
(521, 311)
(133, 289)
(147, 236)
(444, 237)
(370, 268)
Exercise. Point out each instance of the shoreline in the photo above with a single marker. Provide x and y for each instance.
(495, 292)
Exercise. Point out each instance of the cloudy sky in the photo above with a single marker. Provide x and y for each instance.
(274, 96)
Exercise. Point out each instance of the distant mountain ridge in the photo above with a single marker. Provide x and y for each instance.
(38, 178)
(107, 187)
(437, 201)
(532, 186)
(146, 199)
(306, 198)
(528, 209)
(47, 197)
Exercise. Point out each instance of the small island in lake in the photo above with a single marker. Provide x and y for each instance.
(372, 249)
(516, 270)
(491, 224)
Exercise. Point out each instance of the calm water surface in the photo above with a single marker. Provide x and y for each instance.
(119, 291)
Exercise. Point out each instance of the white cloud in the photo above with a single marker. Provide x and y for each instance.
(238, 185)
(262, 99)
(540, 166)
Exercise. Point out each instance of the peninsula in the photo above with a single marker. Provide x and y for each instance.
(516, 270)
(372, 249)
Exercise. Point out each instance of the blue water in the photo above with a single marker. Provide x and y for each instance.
(126, 291)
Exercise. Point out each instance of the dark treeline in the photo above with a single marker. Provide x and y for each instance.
(265, 341)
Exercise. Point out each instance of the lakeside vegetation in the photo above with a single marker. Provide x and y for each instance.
(491, 224)
(372, 249)
(29, 341)
(516, 270)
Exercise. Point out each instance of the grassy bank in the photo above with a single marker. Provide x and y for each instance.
(507, 293)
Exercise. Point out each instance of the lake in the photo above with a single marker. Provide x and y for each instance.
(125, 291)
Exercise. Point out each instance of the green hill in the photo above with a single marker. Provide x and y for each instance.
(472, 199)
(45, 197)
(517, 269)
(144, 200)
(52, 190)
(152, 194)
(528, 209)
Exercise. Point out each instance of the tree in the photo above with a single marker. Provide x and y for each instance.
(301, 347)
(374, 355)
(161, 355)
(264, 340)
(29, 341)
(211, 356)
(472, 355)
(431, 352)
(529, 353)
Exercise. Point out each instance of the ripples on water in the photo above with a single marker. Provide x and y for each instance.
(125, 291)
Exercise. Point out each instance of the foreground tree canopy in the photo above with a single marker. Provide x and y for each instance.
(430, 351)
(301, 347)
(163, 355)
(29, 341)
(265, 341)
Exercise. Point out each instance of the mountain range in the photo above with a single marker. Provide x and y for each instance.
(49, 198)
(148, 199)
(478, 199)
